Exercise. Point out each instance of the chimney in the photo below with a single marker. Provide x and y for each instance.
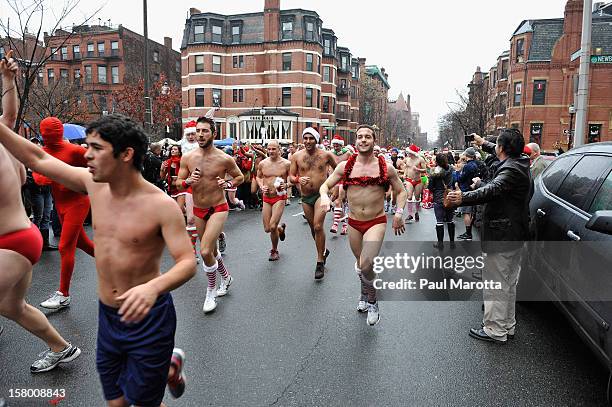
(271, 20)
(168, 42)
(193, 11)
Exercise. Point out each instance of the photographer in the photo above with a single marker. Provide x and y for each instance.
(468, 169)
(505, 228)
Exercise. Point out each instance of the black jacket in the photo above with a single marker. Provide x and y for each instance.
(438, 182)
(505, 217)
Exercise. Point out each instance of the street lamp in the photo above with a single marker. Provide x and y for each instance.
(572, 112)
(262, 129)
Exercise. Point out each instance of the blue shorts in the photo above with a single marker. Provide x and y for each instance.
(133, 360)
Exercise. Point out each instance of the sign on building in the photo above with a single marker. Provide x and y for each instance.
(601, 59)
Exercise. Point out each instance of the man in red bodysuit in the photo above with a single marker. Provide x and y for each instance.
(72, 208)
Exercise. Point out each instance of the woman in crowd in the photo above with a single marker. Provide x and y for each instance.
(441, 178)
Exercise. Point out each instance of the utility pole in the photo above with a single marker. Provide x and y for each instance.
(582, 98)
(147, 100)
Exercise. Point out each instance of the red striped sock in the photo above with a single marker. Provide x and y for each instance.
(221, 268)
(337, 215)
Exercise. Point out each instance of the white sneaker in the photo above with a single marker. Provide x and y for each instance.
(373, 314)
(56, 301)
(363, 304)
(241, 205)
(224, 286)
(210, 303)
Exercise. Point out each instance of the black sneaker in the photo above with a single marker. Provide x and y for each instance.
(319, 270)
(176, 384)
(325, 256)
(465, 236)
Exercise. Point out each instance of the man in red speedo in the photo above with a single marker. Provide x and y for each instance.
(72, 208)
(366, 179)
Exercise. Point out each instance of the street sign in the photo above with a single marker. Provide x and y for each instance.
(576, 55)
(601, 59)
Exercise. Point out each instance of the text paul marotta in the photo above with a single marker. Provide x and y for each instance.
(446, 284)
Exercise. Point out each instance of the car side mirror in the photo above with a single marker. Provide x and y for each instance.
(601, 221)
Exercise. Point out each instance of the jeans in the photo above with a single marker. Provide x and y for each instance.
(42, 204)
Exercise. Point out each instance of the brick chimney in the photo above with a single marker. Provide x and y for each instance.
(168, 42)
(271, 20)
(193, 11)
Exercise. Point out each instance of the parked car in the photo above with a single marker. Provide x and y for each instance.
(570, 260)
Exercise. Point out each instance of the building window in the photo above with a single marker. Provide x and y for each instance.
(216, 97)
(287, 30)
(327, 46)
(287, 61)
(233, 130)
(520, 49)
(199, 63)
(319, 65)
(114, 48)
(177, 66)
(539, 92)
(518, 91)
(90, 49)
(286, 96)
(353, 92)
(309, 31)
(88, 78)
(198, 33)
(64, 75)
(344, 63)
(89, 99)
(238, 61)
(343, 84)
(77, 76)
(503, 103)
(50, 76)
(325, 104)
(309, 65)
(354, 71)
(535, 133)
(115, 74)
(216, 33)
(594, 133)
(54, 56)
(64, 53)
(504, 70)
(326, 77)
(155, 56)
(102, 102)
(318, 99)
(308, 97)
(216, 63)
(236, 34)
(333, 105)
(76, 52)
(1, 52)
(199, 97)
(238, 95)
(101, 73)
(100, 49)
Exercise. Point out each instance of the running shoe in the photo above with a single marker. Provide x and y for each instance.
(334, 228)
(465, 237)
(409, 219)
(224, 286)
(281, 234)
(241, 205)
(325, 256)
(176, 383)
(416, 217)
(319, 270)
(274, 256)
(210, 303)
(56, 301)
(363, 304)
(373, 314)
(222, 243)
(344, 229)
(49, 359)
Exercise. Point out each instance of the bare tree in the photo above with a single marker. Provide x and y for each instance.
(28, 45)
(450, 131)
(372, 103)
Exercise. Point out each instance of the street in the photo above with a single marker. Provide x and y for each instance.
(280, 338)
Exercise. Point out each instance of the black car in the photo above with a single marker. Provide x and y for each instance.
(569, 260)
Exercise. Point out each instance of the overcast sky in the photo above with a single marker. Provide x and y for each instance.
(429, 48)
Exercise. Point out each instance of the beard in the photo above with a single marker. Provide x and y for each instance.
(206, 143)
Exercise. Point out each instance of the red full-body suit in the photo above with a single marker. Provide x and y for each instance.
(72, 207)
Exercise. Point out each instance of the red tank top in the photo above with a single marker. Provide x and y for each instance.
(382, 179)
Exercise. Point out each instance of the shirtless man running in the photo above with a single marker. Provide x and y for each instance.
(414, 168)
(21, 241)
(205, 171)
(137, 320)
(272, 176)
(309, 170)
(340, 153)
(363, 175)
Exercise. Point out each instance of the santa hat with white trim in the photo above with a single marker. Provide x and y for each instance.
(190, 128)
(338, 140)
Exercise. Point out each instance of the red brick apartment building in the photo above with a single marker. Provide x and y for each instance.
(103, 59)
(543, 76)
(271, 74)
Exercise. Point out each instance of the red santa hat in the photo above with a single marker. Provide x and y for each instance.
(413, 149)
(338, 140)
(190, 128)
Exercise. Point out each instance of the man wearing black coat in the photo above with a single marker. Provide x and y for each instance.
(505, 228)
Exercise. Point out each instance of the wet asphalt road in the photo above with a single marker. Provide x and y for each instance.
(281, 339)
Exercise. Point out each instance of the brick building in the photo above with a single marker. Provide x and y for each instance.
(543, 77)
(498, 92)
(103, 59)
(399, 121)
(270, 73)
